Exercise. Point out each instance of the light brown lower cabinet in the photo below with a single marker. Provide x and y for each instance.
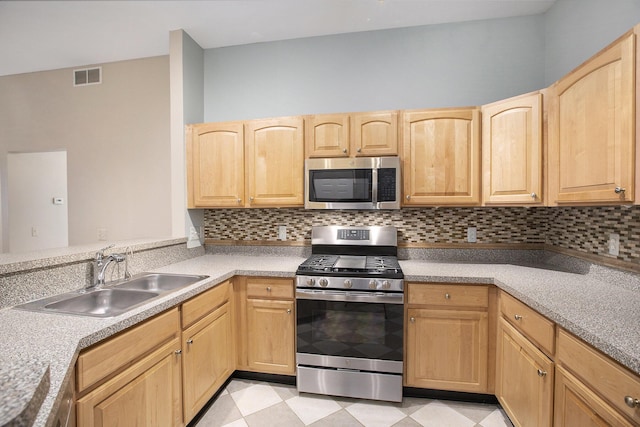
(524, 379)
(208, 358)
(146, 394)
(576, 405)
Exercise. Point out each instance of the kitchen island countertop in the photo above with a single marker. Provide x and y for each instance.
(602, 313)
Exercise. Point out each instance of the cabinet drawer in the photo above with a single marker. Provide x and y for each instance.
(102, 360)
(203, 304)
(448, 295)
(528, 321)
(269, 288)
(601, 374)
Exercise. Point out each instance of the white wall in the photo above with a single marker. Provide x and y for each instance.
(576, 29)
(421, 67)
(34, 180)
(116, 135)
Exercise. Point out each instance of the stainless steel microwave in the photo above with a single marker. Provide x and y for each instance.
(352, 183)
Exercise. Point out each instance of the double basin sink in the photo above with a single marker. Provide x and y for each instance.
(116, 299)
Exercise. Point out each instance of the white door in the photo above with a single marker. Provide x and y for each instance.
(37, 199)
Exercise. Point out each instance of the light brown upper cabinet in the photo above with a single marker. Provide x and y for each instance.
(441, 157)
(274, 162)
(215, 165)
(512, 151)
(592, 129)
(355, 134)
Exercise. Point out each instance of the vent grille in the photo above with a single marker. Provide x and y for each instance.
(87, 76)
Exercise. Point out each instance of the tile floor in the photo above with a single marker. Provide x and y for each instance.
(264, 404)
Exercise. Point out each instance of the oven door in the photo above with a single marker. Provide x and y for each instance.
(350, 329)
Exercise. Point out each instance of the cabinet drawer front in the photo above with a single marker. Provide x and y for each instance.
(269, 288)
(103, 359)
(203, 304)
(449, 295)
(601, 374)
(531, 323)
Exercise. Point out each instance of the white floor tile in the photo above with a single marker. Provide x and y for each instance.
(312, 409)
(238, 423)
(440, 415)
(375, 415)
(255, 398)
(496, 419)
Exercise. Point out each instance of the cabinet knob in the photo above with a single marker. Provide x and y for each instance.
(251, 199)
(408, 197)
(541, 373)
(412, 319)
(239, 200)
(190, 341)
(534, 196)
(631, 402)
(619, 190)
(288, 311)
(517, 317)
(447, 296)
(268, 288)
(344, 150)
(178, 352)
(359, 150)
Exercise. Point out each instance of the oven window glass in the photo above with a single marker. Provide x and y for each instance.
(340, 185)
(350, 329)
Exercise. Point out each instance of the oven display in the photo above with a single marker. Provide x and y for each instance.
(350, 234)
(350, 329)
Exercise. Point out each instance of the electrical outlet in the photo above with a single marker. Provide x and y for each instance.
(614, 244)
(193, 234)
(34, 231)
(282, 232)
(472, 234)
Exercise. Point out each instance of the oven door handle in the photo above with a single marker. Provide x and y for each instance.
(351, 296)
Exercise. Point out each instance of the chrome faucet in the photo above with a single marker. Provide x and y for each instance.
(100, 264)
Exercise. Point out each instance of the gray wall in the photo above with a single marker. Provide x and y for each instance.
(446, 65)
(576, 29)
(420, 67)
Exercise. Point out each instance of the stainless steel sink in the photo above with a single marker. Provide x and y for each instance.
(159, 282)
(101, 303)
(113, 299)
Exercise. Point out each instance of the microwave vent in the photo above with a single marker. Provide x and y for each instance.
(87, 76)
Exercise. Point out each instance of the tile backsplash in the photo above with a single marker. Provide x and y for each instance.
(584, 229)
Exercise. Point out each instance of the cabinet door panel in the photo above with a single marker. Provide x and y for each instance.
(447, 350)
(524, 379)
(327, 135)
(270, 341)
(147, 394)
(215, 165)
(275, 162)
(592, 137)
(512, 150)
(441, 152)
(208, 359)
(375, 134)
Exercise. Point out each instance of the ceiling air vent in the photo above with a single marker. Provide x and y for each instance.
(87, 76)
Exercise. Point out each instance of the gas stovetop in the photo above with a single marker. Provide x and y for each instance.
(351, 265)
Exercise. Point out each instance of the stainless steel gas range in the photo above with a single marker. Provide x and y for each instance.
(349, 314)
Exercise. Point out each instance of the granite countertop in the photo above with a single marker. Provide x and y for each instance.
(40, 349)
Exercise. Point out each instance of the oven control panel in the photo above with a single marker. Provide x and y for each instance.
(353, 234)
(352, 283)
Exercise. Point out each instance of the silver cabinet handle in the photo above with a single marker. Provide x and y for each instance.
(288, 311)
(251, 199)
(534, 195)
(412, 319)
(408, 197)
(268, 288)
(541, 373)
(619, 190)
(359, 150)
(239, 200)
(517, 317)
(190, 341)
(447, 296)
(344, 150)
(631, 402)
(178, 352)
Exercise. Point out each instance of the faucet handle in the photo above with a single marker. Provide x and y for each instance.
(100, 252)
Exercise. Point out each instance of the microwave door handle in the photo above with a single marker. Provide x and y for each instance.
(374, 187)
(351, 296)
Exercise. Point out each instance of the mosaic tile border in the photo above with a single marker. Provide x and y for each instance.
(583, 229)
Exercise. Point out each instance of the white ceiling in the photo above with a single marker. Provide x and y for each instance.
(45, 35)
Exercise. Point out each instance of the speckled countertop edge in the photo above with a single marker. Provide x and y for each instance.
(603, 319)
